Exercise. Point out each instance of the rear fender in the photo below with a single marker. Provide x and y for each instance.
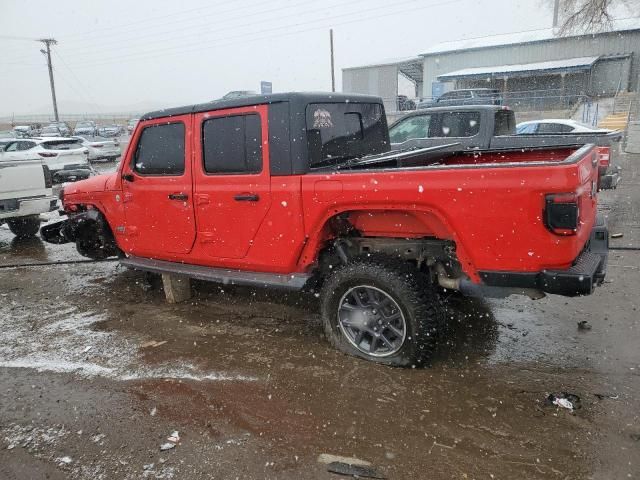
(388, 223)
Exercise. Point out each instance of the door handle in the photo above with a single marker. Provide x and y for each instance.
(247, 197)
(178, 196)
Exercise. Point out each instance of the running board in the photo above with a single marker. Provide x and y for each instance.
(294, 281)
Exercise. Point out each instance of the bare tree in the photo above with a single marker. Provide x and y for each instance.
(588, 16)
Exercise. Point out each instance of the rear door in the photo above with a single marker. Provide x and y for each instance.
(157, 190)
(232, 179)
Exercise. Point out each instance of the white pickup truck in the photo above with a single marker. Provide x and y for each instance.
(25, 193)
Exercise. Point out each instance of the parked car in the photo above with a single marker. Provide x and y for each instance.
(482, 127)
(65, 129)
(66, 158)
(101, 148)
(51, 131)
(131, 125)
(85, 128)
(471, 96)
(404, 103)
(239, 94)
(23, 130)
(111, 130)
(322, 201)
(25, 193)
(8, 134)
(550, 126)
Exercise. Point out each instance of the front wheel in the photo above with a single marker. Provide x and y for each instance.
(24, 227)
(381, 309)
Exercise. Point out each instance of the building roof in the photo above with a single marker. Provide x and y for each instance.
(553, 66)
(412, 67)
(299, 98)
(530, 36)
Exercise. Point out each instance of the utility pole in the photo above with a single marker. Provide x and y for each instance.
(48, 42)
(333, 72)
(556, 13)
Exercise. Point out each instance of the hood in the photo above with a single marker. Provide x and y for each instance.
(99, 183)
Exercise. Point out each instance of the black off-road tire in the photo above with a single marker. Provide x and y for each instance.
(24, 227)
(419, 302)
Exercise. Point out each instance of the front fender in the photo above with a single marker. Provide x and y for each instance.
(66, 231)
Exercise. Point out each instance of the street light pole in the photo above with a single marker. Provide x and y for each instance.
(333, 72)
(48, 42)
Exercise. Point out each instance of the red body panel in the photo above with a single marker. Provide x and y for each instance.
(491, 206)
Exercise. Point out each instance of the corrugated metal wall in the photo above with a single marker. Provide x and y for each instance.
(558, 49)
(380, 80)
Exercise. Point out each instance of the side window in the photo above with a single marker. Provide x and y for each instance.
(160, 150)
(412, 127)
(527, 129)
(25, 145)
(232, 144)
(12, 147)
(554, 128)
(458, 124)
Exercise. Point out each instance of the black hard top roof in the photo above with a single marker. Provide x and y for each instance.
(294, 97)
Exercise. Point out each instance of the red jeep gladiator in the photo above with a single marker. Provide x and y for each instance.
(291, 190)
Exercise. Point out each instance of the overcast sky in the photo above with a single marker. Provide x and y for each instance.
(148, 53)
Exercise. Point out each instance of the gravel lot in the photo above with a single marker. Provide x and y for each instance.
(96, 371)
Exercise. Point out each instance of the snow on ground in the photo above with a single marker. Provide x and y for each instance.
(63, 339)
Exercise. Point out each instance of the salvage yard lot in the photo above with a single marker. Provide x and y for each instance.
(96, 370)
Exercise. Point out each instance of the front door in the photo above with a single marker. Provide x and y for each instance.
(232, 181)
(157, 190)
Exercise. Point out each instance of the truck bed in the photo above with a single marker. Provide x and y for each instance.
(491, 204)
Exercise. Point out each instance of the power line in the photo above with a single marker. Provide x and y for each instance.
(89, 97)
(199, 45)
(226, 26)
(152, 19)
(13, 37)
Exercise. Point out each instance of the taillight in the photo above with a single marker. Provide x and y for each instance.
(604, 157)
(48, 179)
(562, 213)
(47, 154)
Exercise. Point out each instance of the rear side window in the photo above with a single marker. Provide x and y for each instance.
(505, 123)
(458, 125)
(554, 128)
(338, 131)
(232, 144)
(160, 150)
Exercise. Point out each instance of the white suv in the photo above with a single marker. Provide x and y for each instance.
(66, 158)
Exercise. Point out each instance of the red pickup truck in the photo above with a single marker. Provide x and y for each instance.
(293, 190)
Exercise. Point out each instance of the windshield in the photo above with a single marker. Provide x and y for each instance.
(345, 130)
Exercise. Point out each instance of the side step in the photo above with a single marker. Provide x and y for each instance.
(294, 281)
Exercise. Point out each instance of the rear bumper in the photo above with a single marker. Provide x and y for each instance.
(22, 207)
(587, 271)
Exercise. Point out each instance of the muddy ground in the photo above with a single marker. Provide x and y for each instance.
(255, 392)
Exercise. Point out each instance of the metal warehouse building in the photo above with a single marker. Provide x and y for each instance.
(534, 63)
